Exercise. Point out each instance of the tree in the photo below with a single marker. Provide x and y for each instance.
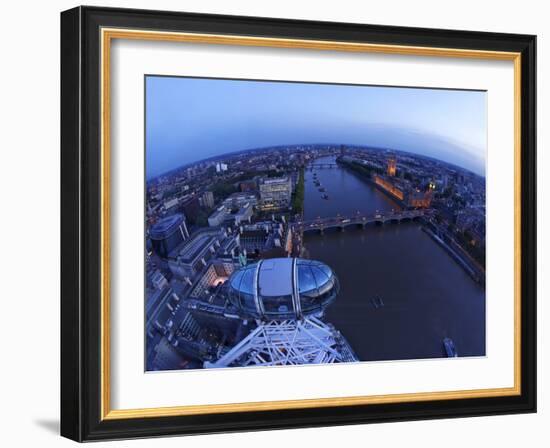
(298, 196)
(222, 190)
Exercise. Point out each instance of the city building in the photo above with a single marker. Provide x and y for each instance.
(243, 214)
(159, 308)
(237, 208)
(157, 280)
(388, 186)
(392, 166)
(171, 204)
(266, 239)
(403, 191)
(342, 150)
(215, 274)
(221, 167)
(230, 216)
(192, 257)
(166, 326)
(417, 198)
(207, 199)
(217, 218)
(190, 207)
(164, 356)
(472, 221)
(253, 239)
(275, 193)
(248, 185)
(239, 199)
(167, 234)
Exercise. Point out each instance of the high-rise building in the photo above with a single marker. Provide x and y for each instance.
(275, 193)
(207, 199)
(221, 167)
(191, 207)
(167, 234)
(392, 166)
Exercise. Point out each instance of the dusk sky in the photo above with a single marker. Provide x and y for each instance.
(188, 119)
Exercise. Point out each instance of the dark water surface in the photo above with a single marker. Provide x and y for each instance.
(427, 296)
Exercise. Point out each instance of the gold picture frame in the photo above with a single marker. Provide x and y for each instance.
(108, 30)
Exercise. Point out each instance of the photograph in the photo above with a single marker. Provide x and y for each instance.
(293, 223)
(274, 223)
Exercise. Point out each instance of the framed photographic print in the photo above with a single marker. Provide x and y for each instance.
(275, 224)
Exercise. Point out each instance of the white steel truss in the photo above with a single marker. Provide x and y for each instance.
(288, 342)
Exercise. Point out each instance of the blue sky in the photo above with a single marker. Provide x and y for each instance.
(189, 119)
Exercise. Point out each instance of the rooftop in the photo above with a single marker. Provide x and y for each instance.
(275, 180)
(193, 247)
(275, 277)
(166, 226)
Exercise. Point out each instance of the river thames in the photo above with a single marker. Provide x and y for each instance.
(426, 295)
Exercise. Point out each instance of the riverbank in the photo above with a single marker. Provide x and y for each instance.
(472, 270)
(365, 173)
(451, 246)
(427, 294)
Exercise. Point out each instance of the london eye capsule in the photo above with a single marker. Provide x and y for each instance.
(283, 288)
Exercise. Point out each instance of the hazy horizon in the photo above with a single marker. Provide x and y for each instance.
(192, 119)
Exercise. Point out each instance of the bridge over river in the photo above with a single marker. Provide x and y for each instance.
(359, 219)
(322, 165)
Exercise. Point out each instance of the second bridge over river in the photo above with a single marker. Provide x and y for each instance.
(359, 220)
